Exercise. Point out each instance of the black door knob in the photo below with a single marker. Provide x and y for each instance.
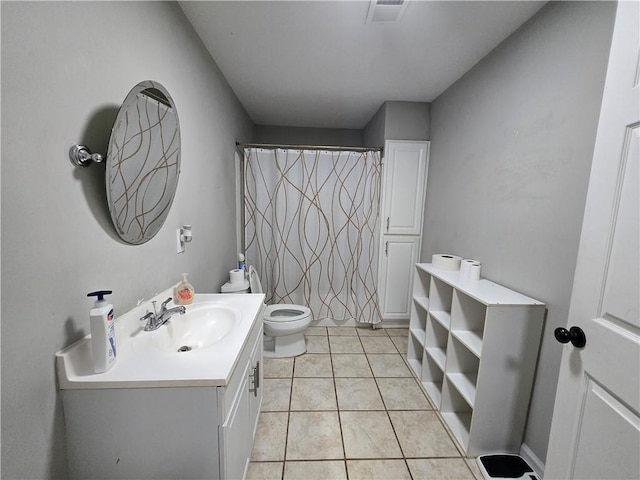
(575, 335)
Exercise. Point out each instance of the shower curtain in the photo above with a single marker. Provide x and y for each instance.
(312, 229)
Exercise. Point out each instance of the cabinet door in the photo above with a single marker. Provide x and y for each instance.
(256, 377)
(405, 179)
(236, 435)
(398, 257)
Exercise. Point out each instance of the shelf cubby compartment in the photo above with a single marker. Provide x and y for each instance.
(436, 342)
(415, 351)
(418, 319)
(432, 376)
(422, 283)
(444, 318)
(440, 294)
(467, 321)
(417, 335)
(421, 303)
(457, 413)
(462, 370)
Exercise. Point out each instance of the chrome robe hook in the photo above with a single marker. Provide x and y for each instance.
(80, 156)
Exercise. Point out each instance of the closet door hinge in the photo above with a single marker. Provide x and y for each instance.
(387, 224)
(386, 249)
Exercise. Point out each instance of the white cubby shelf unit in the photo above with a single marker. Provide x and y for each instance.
(473, 344)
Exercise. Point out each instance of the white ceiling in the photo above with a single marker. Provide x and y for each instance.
(319, 64)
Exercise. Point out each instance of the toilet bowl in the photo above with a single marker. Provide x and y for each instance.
(284, 325)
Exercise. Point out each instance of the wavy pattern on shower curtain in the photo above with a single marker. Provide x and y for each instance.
(312, 228)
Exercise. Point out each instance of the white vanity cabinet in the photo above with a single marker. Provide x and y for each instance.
(404, 184)
(237, 432)
(474, 347)
(187, 428)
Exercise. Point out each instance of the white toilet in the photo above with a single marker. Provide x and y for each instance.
(284, 325)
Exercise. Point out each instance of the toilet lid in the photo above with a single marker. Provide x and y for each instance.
(254, 280)
(285, 312)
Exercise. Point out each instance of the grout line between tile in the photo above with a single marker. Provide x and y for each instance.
(338, 410)
(404, 458)
(286, 437)
(335, 391)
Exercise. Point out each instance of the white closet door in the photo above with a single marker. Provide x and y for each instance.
(405, 180)
(398, 258)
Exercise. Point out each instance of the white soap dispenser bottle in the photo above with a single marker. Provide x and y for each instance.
(103, 335)
(184, 292)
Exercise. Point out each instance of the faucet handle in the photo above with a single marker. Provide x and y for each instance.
(147, 316)
(164, 304)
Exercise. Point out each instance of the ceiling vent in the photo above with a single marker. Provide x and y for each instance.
(386, 11)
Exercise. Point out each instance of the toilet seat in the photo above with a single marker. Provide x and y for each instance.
(285, 312)
(284, 324)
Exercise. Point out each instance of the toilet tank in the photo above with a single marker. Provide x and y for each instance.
(235, 288)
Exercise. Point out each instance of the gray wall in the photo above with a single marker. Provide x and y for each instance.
(398, 121)
(373, 133)
(511, 148)
(65, 69)
(308, 136)
(407, 121)
(393, 121)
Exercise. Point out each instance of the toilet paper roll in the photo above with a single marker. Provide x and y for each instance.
(474, 271)
(470, 269)
(236, 276)
(445, 261)
(464, 267)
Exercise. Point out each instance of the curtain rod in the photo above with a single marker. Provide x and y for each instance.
(308, 147)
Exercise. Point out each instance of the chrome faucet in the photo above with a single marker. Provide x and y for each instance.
(155, 320)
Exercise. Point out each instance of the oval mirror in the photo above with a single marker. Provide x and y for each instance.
(143, 162)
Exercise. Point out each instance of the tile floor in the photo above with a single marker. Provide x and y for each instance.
(350, 408)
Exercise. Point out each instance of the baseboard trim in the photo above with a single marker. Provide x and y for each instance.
(532, 459)
(393, 324)
(329, 322)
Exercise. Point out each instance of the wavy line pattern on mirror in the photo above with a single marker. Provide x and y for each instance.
(143, 163)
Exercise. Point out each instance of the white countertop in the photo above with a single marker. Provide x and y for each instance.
(139, 365)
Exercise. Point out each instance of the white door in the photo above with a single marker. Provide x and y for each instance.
(595, 431)
(405, 180)
(398, 257)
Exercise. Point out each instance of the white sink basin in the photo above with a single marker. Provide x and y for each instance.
(214, 328)
(202, 326)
